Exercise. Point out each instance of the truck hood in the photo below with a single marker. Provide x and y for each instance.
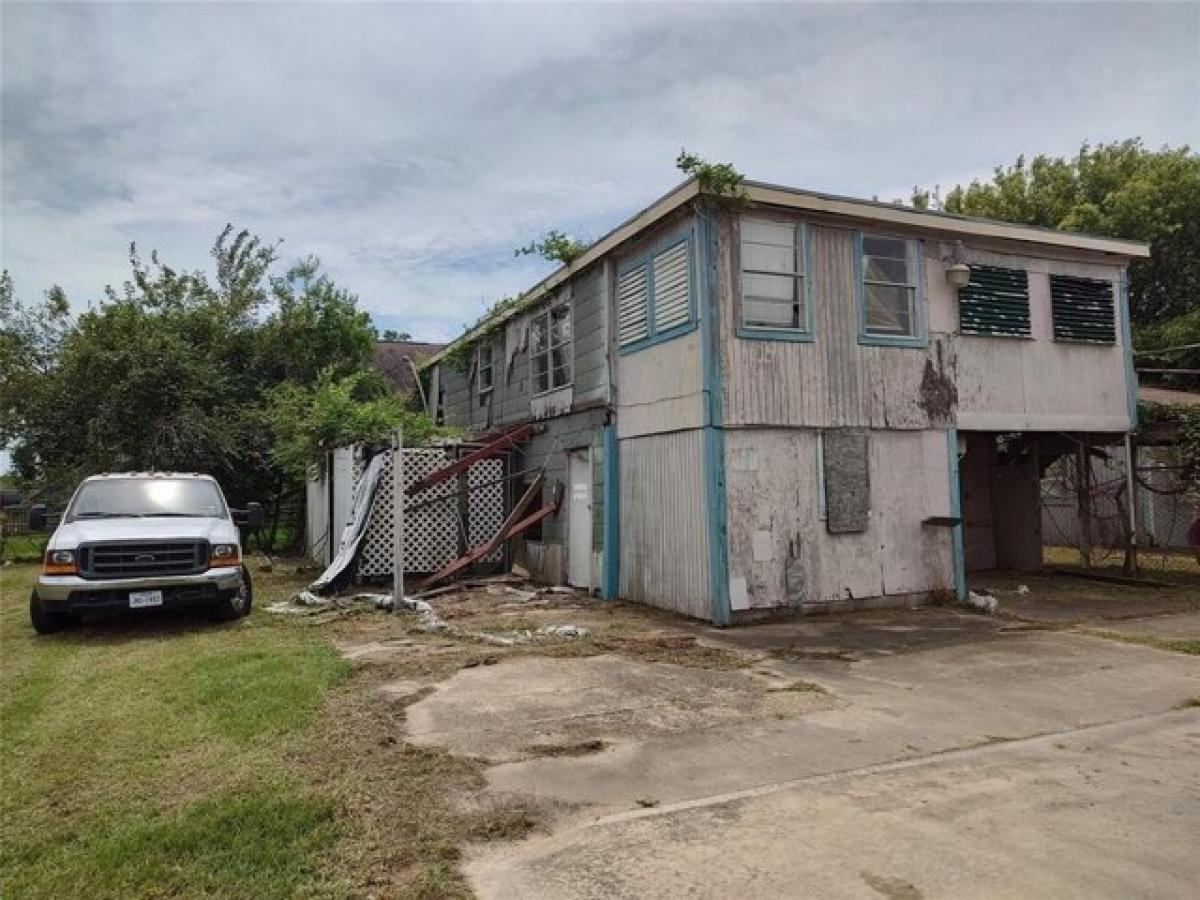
(152, 528)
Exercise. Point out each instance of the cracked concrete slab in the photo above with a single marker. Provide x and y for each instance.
(509, 711)
(941, 767)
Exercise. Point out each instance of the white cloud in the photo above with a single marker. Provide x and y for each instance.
(412, 147)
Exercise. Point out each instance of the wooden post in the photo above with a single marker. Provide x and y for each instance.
(398, 500)
(1083, 483)
(1131, 559)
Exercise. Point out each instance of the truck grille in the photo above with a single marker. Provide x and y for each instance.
(142, 559)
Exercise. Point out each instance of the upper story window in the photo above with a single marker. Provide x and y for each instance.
(654, 295)
(486, 369)
(889, 291)
(775, 279)
(995, 302)
(550, 348)
(1082, 309)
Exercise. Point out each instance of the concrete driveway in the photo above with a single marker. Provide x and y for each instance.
(949, 755)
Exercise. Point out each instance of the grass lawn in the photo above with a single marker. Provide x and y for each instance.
(154, 756)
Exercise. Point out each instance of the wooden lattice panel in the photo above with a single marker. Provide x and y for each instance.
(431, 529)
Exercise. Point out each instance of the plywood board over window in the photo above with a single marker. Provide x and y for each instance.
(847, 481)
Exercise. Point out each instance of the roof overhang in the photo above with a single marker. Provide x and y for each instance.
(951, 224)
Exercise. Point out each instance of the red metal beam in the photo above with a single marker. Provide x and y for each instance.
(503, 442)
(513, 525)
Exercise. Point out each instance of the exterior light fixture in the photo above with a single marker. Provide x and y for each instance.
(958, 273)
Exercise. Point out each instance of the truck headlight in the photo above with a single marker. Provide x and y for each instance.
(59, 562)
(225, 555)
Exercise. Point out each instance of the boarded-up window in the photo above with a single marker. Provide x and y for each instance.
(847, 481)
(995, 302)
(1083, 309)
(654, 295)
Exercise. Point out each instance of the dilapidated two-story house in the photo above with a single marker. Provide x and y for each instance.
(800, 401)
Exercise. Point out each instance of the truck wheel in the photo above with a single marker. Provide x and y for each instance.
(237, 604)
(43, 620)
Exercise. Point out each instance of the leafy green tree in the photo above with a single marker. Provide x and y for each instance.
(1121, 190)
(310, 420)
(183, 371)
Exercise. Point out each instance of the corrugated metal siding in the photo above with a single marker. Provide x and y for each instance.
(591, 358)
(664, 541)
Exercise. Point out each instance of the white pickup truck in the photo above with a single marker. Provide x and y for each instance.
(139, 540)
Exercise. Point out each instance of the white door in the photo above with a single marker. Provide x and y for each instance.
(579, 520)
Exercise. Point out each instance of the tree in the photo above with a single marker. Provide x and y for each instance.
(1117, 190)
(179, 371)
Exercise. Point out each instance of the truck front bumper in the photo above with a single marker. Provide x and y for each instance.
(70, 593)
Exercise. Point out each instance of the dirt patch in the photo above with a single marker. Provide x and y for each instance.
(891, 887)
(577, 748)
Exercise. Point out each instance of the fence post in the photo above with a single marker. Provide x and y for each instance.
(398, 500)
(1131, 480)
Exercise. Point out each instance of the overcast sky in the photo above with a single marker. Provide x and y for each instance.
(412, 147)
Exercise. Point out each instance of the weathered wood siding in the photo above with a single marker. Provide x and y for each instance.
(664, 539)
(975, 382)
(775, 526)
(832, 381)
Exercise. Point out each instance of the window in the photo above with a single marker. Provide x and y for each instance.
(995, 302)
(654, 296)
(486, 370)
(774, 282)
(550, 348)
(1082, 309)
(889, 291)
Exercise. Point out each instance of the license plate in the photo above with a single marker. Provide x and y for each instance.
(139, 599)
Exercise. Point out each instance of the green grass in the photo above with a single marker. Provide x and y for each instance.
(154, 756)
(1187, 646)
(25, 547)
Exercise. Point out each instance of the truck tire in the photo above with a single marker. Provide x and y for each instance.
(43, 620)
(237, 604)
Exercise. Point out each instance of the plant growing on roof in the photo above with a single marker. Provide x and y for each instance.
(554, 247)
(720, 183)
(458, 355)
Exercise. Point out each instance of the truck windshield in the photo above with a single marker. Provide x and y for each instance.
(135, 497)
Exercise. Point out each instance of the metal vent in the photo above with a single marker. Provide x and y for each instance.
(672, 306)
(1083, 309)
(995, 302)
(144, 558)
(632, 322)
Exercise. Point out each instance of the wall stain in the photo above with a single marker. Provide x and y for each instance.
(939, 394)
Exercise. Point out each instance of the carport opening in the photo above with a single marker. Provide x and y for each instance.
(1023, 491)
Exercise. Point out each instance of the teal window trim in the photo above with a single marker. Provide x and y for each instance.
(646, 258)
(920, 337)
(803, 335)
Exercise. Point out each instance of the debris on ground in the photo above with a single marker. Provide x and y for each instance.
(525, 636)
(983, 602)
(1022, 589)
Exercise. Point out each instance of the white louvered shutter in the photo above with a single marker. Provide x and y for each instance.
(671, 307)
(631, 306)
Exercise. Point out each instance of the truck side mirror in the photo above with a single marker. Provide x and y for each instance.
(37, 517)
(254, 515)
